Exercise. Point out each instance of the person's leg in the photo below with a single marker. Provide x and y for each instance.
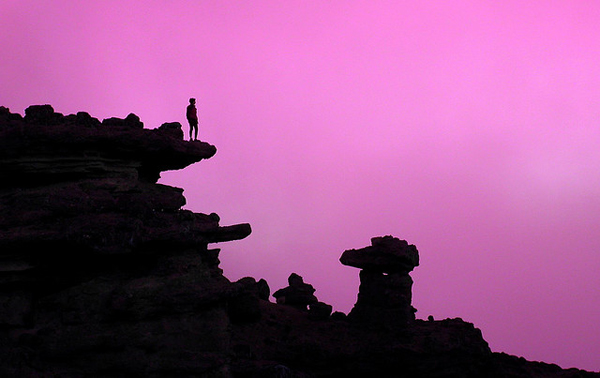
(196, 132)
(191, 128)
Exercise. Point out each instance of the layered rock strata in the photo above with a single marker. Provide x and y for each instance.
(101, 271)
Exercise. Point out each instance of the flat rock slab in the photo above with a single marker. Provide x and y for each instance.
(386, 254)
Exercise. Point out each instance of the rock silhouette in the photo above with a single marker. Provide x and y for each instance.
(298, 294)
(385, 292)
(102, 274)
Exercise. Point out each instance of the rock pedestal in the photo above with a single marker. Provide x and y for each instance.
(385, 292)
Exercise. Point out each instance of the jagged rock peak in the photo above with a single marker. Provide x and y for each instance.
(386, 254)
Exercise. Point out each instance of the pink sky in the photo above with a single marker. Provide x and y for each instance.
(468, 128)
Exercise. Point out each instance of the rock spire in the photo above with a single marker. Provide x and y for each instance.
(385, 292)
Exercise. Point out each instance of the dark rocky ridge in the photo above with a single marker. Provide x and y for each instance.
(102, 274)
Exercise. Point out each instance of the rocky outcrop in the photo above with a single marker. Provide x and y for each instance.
(101, 271)
(102, 274)
(288, 339)
(298, 294)
(385, 292)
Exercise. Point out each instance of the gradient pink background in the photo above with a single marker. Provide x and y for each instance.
(468, 128)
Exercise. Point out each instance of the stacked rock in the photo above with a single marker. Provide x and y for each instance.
(298, 294)
(385, 294)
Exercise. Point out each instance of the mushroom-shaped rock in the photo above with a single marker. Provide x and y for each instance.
(385, 291)
(386, 254)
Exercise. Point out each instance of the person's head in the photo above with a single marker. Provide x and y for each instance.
(192, 100)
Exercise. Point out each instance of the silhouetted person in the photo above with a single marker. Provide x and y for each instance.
(192, 117)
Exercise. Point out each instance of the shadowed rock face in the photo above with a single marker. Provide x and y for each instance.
(103, 275)
(48, 147)
(78, 184)
(96, 258)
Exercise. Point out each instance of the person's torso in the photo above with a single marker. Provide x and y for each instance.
(191, 112)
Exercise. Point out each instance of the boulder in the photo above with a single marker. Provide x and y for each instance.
(85, 119)
(298, 294)
(7, 116)
(244, 306)
(319, 311)
(42, 114)
(131, 121)
(172, 128)
(263, 289)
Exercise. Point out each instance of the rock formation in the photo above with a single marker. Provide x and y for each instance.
(385, 292)
(298, 294)
(102, 274)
